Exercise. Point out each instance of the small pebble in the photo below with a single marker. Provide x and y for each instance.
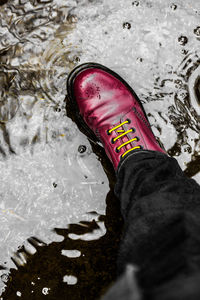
(72, 19)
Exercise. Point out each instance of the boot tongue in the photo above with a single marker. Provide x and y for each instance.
(107, 118)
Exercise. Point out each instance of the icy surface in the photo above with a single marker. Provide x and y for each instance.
(45, 181)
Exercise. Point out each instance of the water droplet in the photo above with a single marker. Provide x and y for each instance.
(182, 40)
(18, 294)
(127, 25)
(5, 278)
(135, 3)
(72, 18)
(45, 290)
(183, 51)
(77, 59)
(197, 31)
(173, 6)
(187, 148)
(82, 149)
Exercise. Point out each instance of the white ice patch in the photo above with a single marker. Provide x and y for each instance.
(71, 280)
(71, 253)
(95, 235)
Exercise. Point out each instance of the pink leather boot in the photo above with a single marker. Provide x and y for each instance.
(109, 111)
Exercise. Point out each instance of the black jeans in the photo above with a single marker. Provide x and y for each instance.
(161, 211)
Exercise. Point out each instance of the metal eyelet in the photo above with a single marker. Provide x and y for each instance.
(133, 129)
(112, 141)
(129, 121)
(141, 147)
(137, 138)
(117, 150)
(108, 133)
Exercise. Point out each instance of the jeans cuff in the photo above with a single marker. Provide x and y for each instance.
(144, 153)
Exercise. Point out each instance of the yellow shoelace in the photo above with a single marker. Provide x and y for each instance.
(123, 133)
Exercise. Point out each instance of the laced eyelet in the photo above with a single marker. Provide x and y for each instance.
(137, 138)
(141, 147)
(108, 133)
(129, 121)
(112, 141)
(117, 150)
(133, 129)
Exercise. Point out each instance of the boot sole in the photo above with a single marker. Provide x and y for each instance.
(74, 106)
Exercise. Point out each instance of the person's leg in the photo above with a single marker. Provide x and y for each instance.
(161, 210)
(159, 257)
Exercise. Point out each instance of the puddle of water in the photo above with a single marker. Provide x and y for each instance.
(50, 176)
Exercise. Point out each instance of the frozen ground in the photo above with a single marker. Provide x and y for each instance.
(46, 181)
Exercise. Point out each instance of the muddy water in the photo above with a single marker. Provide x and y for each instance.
(60, 222)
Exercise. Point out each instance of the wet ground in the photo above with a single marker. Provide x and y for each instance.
(60, 222)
